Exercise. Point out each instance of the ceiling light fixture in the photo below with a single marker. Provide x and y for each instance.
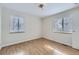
(41, 6)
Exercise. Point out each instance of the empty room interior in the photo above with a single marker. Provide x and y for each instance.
(39, 29)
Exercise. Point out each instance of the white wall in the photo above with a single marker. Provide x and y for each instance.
(48, 27)
(75, 35)
(69, 39)
(32, 28)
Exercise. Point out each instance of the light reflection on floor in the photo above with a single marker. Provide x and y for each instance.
(54, 51)
(21, 52)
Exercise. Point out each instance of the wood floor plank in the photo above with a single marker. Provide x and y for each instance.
(39, 47)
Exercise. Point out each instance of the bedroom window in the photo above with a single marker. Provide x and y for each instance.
(63, 25)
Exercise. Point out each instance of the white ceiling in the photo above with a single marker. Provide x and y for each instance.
(32, 8)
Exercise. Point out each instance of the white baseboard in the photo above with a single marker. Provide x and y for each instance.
(32, 38)
(56, 40)
(19, 41)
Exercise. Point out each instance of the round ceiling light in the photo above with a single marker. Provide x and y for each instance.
(40, 5)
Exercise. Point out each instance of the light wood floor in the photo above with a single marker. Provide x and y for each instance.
(39, 47)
